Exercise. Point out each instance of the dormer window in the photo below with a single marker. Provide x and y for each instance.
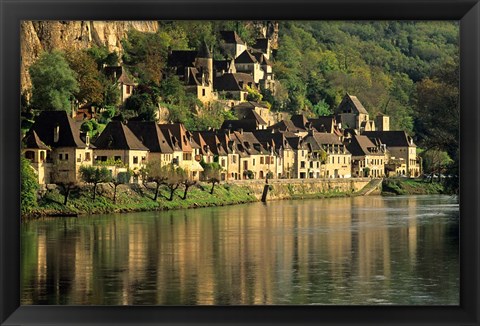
(56, 133)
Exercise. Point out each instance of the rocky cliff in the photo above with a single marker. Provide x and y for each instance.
(38, 36)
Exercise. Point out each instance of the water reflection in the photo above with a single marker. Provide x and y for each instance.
(363, 250)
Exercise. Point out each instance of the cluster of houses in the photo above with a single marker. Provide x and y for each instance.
(344, 145)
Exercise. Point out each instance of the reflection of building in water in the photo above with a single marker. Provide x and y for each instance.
(42, 262)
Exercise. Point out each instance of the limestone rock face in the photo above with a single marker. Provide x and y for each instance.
(38, 36)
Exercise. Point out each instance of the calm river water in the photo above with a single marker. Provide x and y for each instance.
(362, 250)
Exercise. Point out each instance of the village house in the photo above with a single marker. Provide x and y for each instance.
(368, 159)
(117, 143)
(232, 87)
(152, 137)
(120, 76)
(39, 156)
(299, 170)
(351, 114)
(243, 111)
(328, 156)
(70, 148)
(284, 157)
(205, 153)
(221, 154)
(195, 70)
(248, 63)
(399, 146)
(185, 157)
(231, 44)
(222, 67)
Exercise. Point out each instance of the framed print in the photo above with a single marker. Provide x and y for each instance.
(267, 162)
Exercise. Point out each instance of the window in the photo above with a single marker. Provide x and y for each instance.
(311, 164)
(30, 155)
(129, 89)
(223, 162)
(66, 157)
(42, 156)
(302, 164)
(261, 160)
(318, 164)
(144, 158)
(338, 160)
(234, 159)
(60, 157)
(87, 156)
(135, 160)
(117, 158)
(253, 162)
(203, 91)
(79, 159)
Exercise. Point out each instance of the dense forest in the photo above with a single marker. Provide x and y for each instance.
(407, 70)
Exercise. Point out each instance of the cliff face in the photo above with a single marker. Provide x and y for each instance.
(38, 36)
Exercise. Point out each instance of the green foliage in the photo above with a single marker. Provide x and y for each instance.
(435, 161)
(321, 109)
(253, 94)
(53, 82)
(28, 186)
(90, 88)
(143, 105)
(94, 175)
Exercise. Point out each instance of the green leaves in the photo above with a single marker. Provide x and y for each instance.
(53, 82)
(28, 186)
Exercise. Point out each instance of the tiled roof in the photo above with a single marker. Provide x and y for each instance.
(353, 101)
(180, 133)
(244, 124)
(391, 138)
(69, 133)
(120, 73)
(116, 135)
(231, 37)
(182, 58)
(231, 82)
(299, 120)
(261, 44)
(149, 133)
(361, 145)
(246, 57)
(249, 104)
(323, 124)
(32, 140)
(286, 125)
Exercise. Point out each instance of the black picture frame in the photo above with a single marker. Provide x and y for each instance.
(12, 12)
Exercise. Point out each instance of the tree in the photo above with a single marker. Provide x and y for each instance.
(28, 186)
(174, 179)
(143, 105)
(53, 82)
(155, 173)
(253, 94)
(186, 181)
(94, 175)
(212, 174)
(435, 161)
(120, 179)
(91, 90)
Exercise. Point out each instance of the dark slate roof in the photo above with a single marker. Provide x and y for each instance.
(261, 44)
(214, 143)
(250, 144)
(243, 124)
(317, 139)
(222, 65)
(182, 58)
(231, 37)
(178, 131)
(295, 142)
(249, 105)
(31, 140)
(116, 135)
(245, 57)
(286, 125)
(276, 139)
(261, 58)
(69, 133)
(361, 145)
(251, 114)
(231, 82)
(323, 124)
(149, 133)
(120, 73)
(202, 145)
(391, 138)
(299, 121)
(204, 51)
(354, 102)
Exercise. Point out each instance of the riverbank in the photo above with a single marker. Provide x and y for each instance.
(405, 186)
(136, 198)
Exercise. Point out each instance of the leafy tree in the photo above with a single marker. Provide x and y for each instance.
(28, 186)
(53, 82)
(435, 161)
(94, 175)
(321, 109)
(212, 174)
(91, 90)
(143, 105)
(253, 94)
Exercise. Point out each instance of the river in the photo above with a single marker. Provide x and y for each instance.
(360, 250)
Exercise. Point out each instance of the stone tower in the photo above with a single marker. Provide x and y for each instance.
(204, 63)
(382, 122)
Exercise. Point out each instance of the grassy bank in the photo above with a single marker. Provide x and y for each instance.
(404, 186)
(134, 198)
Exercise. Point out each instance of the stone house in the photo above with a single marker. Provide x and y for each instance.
(195, 70)
(368, 159)
(122, 78)
(39, 156)
(399, 145)
(248, 63)
(351, 114)
(231, 43)
(232, 88)
(284, 156)
(181, 138)
(118, 143)
(70, 148)
(299, 170)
